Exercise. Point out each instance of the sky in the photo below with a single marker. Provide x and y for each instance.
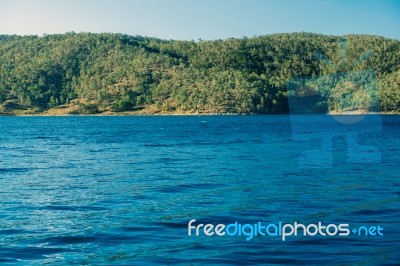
(201, 19)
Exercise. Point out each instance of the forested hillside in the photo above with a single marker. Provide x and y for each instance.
(102, 73)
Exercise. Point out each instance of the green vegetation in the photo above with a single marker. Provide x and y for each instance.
(100, 73)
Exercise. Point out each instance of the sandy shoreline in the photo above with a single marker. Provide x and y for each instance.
(186, 114)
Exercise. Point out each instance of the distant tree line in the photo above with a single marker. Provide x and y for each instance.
(249, 75)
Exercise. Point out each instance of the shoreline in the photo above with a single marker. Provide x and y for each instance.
(192, 114)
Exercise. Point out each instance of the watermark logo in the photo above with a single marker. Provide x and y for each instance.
(349, 95)
(281, 230)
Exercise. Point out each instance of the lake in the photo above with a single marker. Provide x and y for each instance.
(122, 190)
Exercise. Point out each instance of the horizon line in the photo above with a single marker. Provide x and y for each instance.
(72, 32)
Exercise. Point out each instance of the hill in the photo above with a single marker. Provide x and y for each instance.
(89, 73)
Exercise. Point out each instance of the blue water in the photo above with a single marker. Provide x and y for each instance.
(121, 190)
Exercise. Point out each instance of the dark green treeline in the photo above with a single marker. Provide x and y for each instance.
(249, 75)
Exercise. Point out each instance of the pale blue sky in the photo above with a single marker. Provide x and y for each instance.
(201, 19)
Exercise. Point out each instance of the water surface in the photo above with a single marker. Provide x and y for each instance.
(121, 190)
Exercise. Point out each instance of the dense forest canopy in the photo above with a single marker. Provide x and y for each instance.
(95, 73)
